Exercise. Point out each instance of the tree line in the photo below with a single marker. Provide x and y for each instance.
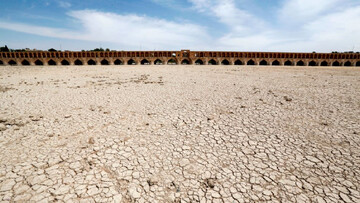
(6, 49)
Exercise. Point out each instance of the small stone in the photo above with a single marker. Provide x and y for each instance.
(91, 140)
(67, 116)
(210, 182)
(35, 118)
(288, 99)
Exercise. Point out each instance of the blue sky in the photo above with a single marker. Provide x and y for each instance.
(234, 25)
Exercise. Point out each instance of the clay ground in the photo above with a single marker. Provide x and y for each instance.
(171, 133)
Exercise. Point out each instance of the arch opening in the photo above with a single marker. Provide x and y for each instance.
(131, 62)
(312, 63)
(300, 63)
(91, 62)
(1, 62)
(185, 62)
(251, 62)
(212, 62)
(51, 63)
(78, 62)
(276, 63)
(225, 62)
(118, 62)
(171, 62)
(104, 62)
(39, 63)
(336, 63)
(158, 62)
(145, 62)
(25, 63)
(238, 62)
(263, 63)
(287, 63)
(358, 63)
(324, 63)
(199, 62)
(347, 63)
(66, 63)
(12, 63)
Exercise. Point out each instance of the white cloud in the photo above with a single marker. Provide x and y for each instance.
(128, 31)
(296, 11)
(237, 20)
(64, 4)
(300, 25)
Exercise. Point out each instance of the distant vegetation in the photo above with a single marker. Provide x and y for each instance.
(6, 49)
(100, 49)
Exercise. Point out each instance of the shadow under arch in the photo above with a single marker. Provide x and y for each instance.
(225, 62)
(199, 62)
(51, 62)
(25, 63)
(212, 62)
(185, 62)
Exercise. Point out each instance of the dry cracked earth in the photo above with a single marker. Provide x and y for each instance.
(179, 134)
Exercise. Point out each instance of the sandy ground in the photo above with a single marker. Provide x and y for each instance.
(179, 133)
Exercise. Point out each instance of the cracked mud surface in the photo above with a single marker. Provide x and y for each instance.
(175, 133)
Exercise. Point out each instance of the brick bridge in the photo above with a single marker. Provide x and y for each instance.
(178, 57)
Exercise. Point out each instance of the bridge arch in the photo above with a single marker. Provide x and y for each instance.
(66, 63)
(312, 63)
(288, 63)
(185, 62)
(238, 62)
(336, 63)
(300, 63)
(131, 62)
(51, 62)
(1, 62)
(158, 62)
(199, 62)
(358, 63)
(171, 62)
(263, 63)
(39, 63)
(104, 62)
(78, 62)
(324, 63)
(145, 62)
(12, 63)
(118, 62)
(25, 63)
(347, 63)
(225, 62)
(91, 62)
(276, 63)
(251, 62)
(212, 62)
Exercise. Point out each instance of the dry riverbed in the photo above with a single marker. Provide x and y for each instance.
(179, 133)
